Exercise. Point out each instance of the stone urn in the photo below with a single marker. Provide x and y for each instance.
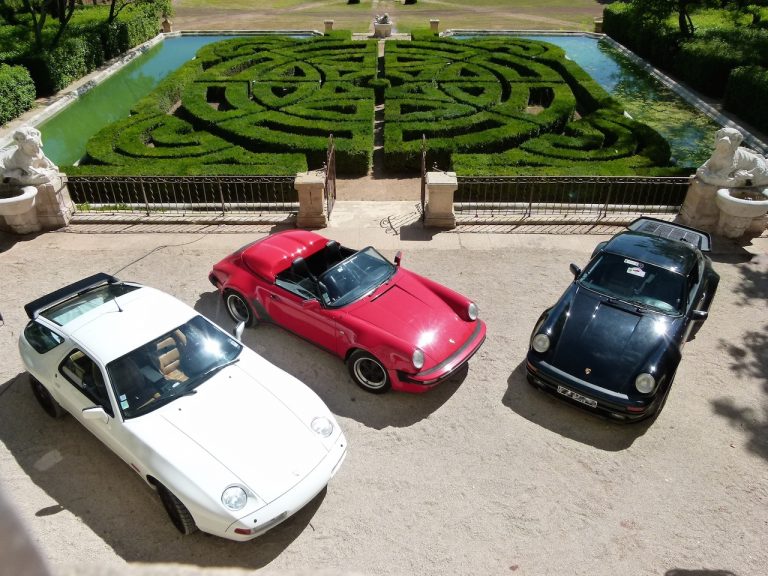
(738, 209)
(17, 207)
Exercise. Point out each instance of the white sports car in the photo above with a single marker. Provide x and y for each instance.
(232, 444)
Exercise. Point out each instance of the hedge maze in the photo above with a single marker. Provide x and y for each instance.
(266, 105)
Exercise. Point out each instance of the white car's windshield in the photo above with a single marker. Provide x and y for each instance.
(354, 277)
(170, 366)
(636, 282)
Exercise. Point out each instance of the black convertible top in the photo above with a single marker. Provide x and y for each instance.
(33, 308)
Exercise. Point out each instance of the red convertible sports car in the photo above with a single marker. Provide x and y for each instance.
(395, 329)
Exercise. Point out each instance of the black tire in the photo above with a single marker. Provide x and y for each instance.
(177, 512)
(44, 398)
(368, 372)
(238, 309)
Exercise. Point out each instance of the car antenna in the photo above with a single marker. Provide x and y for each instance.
(114, 299)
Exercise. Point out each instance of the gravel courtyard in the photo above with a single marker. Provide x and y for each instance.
(484, 475)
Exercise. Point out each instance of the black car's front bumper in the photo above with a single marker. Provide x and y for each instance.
(592, 398)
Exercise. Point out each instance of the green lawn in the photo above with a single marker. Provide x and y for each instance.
(310, 14)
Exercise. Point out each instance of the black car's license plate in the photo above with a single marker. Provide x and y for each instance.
(578, 397)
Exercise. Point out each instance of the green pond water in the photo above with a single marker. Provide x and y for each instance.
(688, 130)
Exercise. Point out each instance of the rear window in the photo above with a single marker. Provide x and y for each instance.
(67, 311)
(42, 339)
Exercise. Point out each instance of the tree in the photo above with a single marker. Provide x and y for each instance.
(660, 10)
(39, 10)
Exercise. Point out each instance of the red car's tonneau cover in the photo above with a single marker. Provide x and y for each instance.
(276, 253)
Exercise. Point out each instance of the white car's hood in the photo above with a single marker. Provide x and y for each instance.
(245, 427)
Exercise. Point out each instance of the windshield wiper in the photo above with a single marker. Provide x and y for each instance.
(613, 300)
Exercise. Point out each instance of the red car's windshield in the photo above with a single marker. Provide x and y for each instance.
(354, 277)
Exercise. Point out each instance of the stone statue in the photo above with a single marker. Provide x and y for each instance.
(384, 19)
(27, 165)
(731, 165)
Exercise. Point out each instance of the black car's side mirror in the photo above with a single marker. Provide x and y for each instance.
(398, 258)
(700, 315)
(575, 270)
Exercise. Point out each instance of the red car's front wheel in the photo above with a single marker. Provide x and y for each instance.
(238, 309)
(368, 372)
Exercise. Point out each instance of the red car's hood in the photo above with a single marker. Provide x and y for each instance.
(410, 310)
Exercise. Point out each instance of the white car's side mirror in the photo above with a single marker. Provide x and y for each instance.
(95, 413)
(238, 331)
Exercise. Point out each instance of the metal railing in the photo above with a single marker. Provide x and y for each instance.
(183, 195)
(597, 196)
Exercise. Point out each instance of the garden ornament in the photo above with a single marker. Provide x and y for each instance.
(732, 165)
(27, 164)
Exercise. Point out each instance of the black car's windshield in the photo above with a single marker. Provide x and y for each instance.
(635, 282)
(170, 366)
(354, 277)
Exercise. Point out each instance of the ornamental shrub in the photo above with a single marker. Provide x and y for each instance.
(17, 92)
(746, 94)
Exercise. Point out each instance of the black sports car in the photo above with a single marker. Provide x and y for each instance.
(613, 341)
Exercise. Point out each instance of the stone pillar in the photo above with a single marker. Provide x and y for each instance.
(167, 25)
(699, 209)
(434, 25)
(439, 209)
(54, 206)
(311, 189)
(598, 25)
(328, 26)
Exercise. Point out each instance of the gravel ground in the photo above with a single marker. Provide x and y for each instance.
(484, 475)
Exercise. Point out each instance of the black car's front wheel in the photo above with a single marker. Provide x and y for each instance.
(178, 513)
(368, 372)
(238, 309)
(44, 398)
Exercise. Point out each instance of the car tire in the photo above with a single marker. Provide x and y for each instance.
(368, 372)
(178, 513)
(238, 309)
(44, 398)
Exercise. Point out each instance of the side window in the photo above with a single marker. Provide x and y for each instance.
(42, 339)
(85, 375)
(302, 287)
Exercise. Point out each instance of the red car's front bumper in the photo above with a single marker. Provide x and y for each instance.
(431, 377)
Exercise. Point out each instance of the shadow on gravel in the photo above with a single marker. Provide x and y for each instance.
(84, 478)
(569, 421)
(327, 376)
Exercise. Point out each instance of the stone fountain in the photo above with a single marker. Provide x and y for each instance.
(33, 196)
(729, 194)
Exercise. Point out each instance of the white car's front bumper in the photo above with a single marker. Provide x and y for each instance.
(285, 506)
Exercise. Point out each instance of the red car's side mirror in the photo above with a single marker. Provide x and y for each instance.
(398, 257)
(311, 304)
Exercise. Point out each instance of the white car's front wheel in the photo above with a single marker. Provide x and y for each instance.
(178, 513)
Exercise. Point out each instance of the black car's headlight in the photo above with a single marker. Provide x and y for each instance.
(645, 383)
(540, 343)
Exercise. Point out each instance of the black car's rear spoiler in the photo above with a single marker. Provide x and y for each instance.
(656, 227)
(33, 308)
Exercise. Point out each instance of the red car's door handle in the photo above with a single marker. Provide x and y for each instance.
(274, 297)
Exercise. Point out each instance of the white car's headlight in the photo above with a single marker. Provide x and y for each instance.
(645, 383)
(322, 426)
(472, 311)
(418, 359)
(234, 498)
(540, 343)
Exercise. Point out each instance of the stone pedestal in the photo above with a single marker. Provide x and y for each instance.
(328, 26)
(167, 25)
(439, 209)
(311, 189)
(598, 25)
(382, 30)
(54, 206)
(434, 25)
(699, 209)
(737, 214)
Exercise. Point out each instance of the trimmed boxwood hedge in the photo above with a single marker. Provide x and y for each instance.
(502, 105)
(250, 103)
(493, 105)
(17, 92)
(747, 94)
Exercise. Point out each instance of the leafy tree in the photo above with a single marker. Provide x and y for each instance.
(660, 10)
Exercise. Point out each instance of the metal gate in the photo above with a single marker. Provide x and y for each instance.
(423, 177)
(330, 176)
